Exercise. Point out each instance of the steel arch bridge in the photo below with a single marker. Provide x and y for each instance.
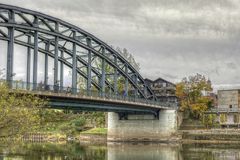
(101, 79)
(100, 66)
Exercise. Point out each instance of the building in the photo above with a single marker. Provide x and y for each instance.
(229, 99)
(228, 108)
(164, 90)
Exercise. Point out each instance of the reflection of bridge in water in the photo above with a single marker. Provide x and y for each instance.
(109, 82)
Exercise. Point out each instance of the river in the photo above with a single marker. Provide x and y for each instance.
(118, 151)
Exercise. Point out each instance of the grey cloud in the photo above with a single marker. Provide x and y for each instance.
(156, 17)
(170, 76)
(170, 38)
(231, 65)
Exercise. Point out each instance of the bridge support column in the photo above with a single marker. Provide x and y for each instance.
(10, 53)
(61, 72)
(28, 64)
(126, 82)
(143, 127)
(103, 78)
(55, 77)
(47, 47)
(115, 78)
(10, 50)
(89, 68)
(74, 69)
(35, 55)
(35, 60)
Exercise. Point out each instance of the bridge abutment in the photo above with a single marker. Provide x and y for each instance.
(134, 127)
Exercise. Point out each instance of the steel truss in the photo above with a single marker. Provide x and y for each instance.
(71, 47)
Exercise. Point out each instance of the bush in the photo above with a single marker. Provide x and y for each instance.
(209, 120)
(78, 124)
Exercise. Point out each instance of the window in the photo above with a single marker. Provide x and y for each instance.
(236, 118)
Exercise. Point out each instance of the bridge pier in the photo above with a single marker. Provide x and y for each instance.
(136, 127)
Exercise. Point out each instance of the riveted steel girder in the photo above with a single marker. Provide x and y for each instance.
(63, 31)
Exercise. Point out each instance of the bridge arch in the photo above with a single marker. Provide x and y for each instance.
(89, 58)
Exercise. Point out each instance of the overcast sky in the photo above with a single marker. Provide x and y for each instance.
(169, 38)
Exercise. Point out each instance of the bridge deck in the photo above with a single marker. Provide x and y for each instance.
(106, 100)
(83, 100)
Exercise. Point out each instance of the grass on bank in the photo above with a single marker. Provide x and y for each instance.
(99, 131)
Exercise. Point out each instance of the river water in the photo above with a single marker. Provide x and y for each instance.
(118, 151)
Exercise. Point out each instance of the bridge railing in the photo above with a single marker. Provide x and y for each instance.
(41, 87)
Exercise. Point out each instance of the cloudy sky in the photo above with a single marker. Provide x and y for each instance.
(169, 38)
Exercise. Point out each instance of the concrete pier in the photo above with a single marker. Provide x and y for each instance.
(143, 127)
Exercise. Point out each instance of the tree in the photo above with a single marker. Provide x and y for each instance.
(109, 70)
(2, 73)
(129, 57)
(209, 120)
(192, 93)
(73, 126)
(19, 112)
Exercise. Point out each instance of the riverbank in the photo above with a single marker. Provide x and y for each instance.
(94, 134)
(211, 136)
(214, 136)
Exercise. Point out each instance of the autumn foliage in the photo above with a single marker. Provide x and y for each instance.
(19, 112)
(193, 95)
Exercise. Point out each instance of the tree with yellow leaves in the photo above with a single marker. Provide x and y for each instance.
(19, 112)
(193, 95)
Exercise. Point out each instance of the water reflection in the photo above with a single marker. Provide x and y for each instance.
(211, 151)
(48, 151)
(118, 151)
(140, 151)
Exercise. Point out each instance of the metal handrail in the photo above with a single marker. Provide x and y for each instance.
(41, 87)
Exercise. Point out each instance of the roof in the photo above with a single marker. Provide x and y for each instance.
(149, 80)
(158, 79)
